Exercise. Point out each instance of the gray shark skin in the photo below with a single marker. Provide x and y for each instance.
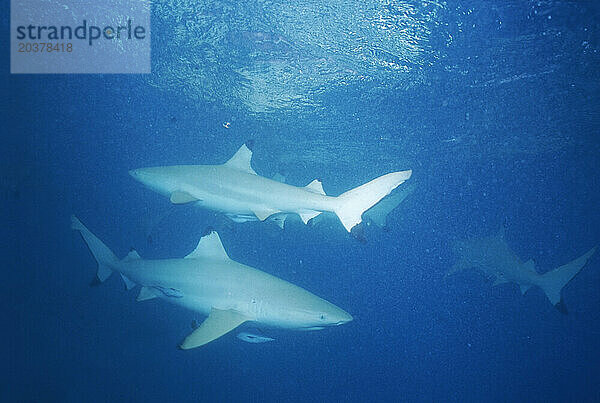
(492, 256)
(208, 282)
(240, 193)
(376, 214)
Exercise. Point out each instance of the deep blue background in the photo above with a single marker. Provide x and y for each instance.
(500, 128)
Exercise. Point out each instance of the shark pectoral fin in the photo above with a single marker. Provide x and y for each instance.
(106, 259)
(179, 197)
(264, 213)
(308, 215)
(524, 288)
(103, 272)
(145, 294)
(218, 323)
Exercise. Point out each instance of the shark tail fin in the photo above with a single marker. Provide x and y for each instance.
(379, 212)
(553, 281)
(353, 203)
(106, 259)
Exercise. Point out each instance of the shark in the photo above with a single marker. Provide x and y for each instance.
(207, 281)
(236, 190)
(493, 256)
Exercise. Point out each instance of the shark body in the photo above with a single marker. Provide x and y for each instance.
(234, 188)
(376, 215)
(493, 256)
(207, 281)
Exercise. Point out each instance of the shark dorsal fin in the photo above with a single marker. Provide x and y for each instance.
(529, 265)
(524, 288)
(132, 255)
(316, 187)
(241, 160)
(502, 231)
(210, 246)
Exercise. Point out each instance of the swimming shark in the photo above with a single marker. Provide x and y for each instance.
(493, 257)
(235, 189)
(208, 282)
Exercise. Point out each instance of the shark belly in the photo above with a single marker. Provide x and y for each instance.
(225, 204)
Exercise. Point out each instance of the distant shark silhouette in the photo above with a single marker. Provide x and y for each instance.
(493, 257)
(236, 190)
(209, 282)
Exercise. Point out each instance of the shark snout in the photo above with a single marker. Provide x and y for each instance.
(135, 173)
(142, 175)
(342, 317)
(148, 177)
(347, 318)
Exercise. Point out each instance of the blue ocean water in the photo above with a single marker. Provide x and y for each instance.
(494, 106)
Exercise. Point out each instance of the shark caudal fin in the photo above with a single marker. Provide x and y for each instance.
(353, 203)
(106, 259)
(379, 212)
(553, 281)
